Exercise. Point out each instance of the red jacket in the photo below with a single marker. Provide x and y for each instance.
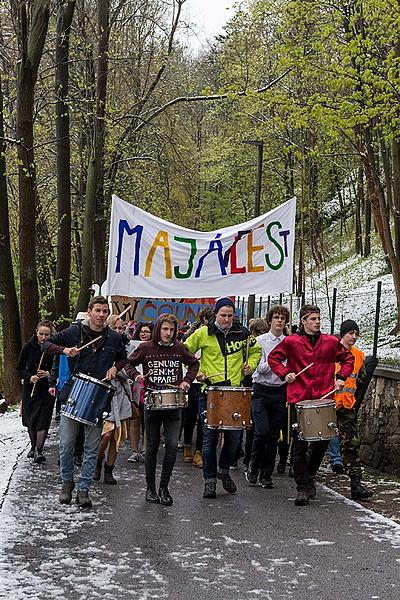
(319, 379)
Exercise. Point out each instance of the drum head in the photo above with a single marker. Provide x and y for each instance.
(91, 379)
(221, 388)
(314, 403)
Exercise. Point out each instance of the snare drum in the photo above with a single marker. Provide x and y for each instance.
(165, 399)
(89, 400)
(316, 420)
(228, 408)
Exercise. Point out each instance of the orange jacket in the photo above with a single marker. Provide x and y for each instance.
(345, 398)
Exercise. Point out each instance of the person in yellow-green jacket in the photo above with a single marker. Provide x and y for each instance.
(225, 344)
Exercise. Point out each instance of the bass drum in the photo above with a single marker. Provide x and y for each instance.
(228, 408)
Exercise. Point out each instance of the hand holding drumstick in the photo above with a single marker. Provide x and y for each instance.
(291, 377)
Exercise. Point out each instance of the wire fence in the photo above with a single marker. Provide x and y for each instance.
(374, 309)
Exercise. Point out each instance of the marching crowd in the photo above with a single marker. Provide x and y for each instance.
(129, 363)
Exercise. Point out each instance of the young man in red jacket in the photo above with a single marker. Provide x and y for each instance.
(295, 352)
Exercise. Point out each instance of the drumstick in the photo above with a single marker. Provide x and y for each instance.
(247, 351)
(89, 343)
(39, 365)
(124, 311)
(328, 394)
(305, 369)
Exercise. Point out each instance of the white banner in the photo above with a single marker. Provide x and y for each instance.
(153, 258)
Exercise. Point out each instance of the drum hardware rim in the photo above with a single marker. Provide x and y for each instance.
(80, 420)
(227, 427)
(332, 425)
(236, 416)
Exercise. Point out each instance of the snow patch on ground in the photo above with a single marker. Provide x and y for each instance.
(13, 443)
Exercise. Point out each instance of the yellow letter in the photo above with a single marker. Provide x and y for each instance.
(160, 240)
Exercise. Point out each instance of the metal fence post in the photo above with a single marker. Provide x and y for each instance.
(333, 310)
(377, 314)
(259, 307)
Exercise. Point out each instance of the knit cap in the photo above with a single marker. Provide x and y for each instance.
(224, 301)
(347, 326)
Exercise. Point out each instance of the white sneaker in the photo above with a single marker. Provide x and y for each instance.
(134, 457)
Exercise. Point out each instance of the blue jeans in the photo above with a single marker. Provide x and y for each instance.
(334, 451)
(210, 442)
(69, 429)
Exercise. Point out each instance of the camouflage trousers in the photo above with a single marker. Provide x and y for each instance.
(349, 441)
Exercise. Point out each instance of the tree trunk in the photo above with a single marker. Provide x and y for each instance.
(103, 30)
(396, 194)
(87, 236)
(93, 234)
(11, 334)
(64, 20)
(380, 210)
(359, 204)
(31, 43)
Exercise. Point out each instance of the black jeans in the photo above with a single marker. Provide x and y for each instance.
(307, 457)
(190, 418)
(269, 411)
(171, 420)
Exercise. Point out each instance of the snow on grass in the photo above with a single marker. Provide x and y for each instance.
(13, 443)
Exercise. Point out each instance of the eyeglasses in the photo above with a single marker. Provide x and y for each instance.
(144, 331)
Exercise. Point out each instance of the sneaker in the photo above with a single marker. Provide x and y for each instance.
(180, 446)
(198, 460)
(65, 496)
(301, 498)
(187, 453)
(134, 457)
(281, 467)
(39, 458)
(227, 483)
(251, 477)
(266, 481)
(83, 499)
(337, 468)
(210, 490)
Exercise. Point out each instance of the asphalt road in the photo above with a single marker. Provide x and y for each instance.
(255, 544)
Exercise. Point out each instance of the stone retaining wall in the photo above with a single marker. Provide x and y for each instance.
(379, 422)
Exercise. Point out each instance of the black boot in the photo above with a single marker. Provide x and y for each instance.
(165, 496)
(152, 496)
(108, 475)
(358, 491)
(97, 473)
(31, 453)
(40, 457)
